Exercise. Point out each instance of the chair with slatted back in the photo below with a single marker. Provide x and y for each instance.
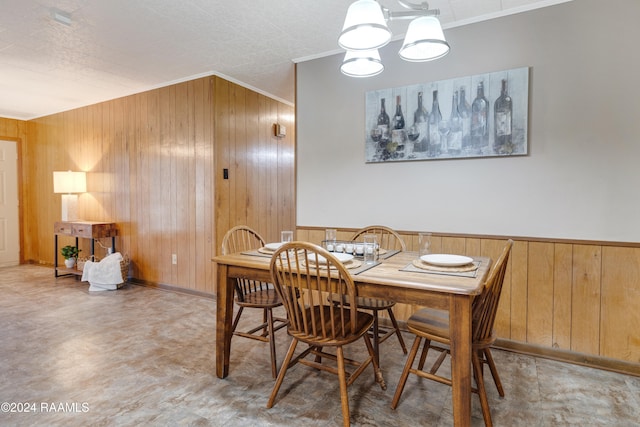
(388, 240)
(433, 325)
(254, 294)
(312, 285)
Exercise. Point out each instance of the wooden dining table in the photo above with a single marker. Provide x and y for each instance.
(390, 279)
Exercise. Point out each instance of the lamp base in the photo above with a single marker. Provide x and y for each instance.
(70, 207)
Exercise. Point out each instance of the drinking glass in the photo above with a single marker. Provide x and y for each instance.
(424, 243)
(330, 235)
(370, 252)
(286, 236)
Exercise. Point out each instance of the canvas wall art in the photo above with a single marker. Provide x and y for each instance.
(477, 116)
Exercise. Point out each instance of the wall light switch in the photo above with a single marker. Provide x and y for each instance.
(280, 131)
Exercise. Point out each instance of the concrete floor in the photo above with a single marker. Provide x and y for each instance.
(140, 356)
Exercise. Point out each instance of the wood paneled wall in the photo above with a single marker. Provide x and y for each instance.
(260, 190)
(581, 297)
(152, 161)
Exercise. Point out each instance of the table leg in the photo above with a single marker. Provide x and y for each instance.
(460, 333)
(224, 320)
(55, 255)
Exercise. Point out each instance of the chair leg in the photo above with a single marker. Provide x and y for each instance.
(265, 319)
(376, 368)
(394, 322)
(482, 392)
(344, 396)
(376, 337)
(423, 355)
(272, 344)
(405, 372)
(283, 371)
(494, 371)
(236, 320)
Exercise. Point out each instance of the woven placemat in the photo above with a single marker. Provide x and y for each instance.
(256, 252)
(460, 269)
(266, 251)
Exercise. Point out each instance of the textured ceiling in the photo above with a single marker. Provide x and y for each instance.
(113, 48)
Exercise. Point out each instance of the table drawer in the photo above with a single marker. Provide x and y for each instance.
(82, 230)
(63, 228)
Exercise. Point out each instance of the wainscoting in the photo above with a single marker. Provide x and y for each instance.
(569, 300)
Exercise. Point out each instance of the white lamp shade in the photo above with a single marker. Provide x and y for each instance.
(69, 182)
(362, 63)
(364, 27)
(424, 40)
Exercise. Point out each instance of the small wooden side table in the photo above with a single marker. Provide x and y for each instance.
(82, 230)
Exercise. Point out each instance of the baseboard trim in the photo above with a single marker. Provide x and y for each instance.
(171, 288)
(599, 362)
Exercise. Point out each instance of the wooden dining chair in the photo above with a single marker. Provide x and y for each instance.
(312, 283)
(433, 325)
(390, 240)
(254, 294)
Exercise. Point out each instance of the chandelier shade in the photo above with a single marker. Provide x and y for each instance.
(364, 27)
(424, 40)
(362, 63)
(365, 30)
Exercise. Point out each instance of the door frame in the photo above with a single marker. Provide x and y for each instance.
(18, 142)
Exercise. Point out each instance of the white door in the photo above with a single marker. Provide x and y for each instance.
(9, 224)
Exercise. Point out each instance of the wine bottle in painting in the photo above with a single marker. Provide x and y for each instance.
(502, 116)
(418, 133)
(398, 119)
(435, 117)
(454, 143)
(465, 115)
(479, 121)
(398, 133)
(382, 130)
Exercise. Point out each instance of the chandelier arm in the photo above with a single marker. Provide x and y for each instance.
(392, 16)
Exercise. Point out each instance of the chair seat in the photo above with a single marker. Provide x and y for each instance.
(342, 334)
(267, 298)
(367, 303)
(431, 323)
(374, 303)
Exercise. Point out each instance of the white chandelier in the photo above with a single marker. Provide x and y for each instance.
(365, 30)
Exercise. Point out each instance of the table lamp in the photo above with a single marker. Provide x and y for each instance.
(69, 184)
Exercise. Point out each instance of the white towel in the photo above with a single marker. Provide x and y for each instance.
(103, 275)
